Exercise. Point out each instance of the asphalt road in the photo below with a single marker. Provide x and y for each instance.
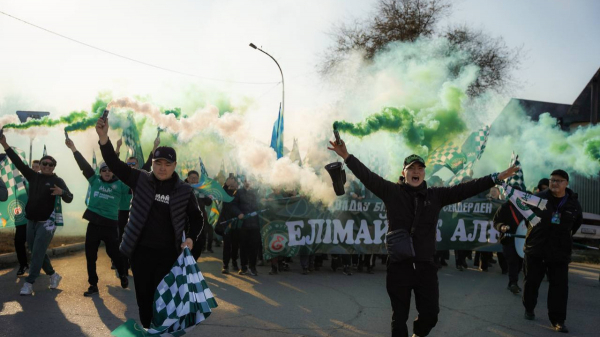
(324, 303)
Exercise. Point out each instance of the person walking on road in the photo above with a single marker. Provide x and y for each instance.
(102, 213)
(414, 208)
(163, 209)
(44, 188)
(548, 248)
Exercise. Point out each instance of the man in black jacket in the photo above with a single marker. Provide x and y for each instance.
(231, 238)
(249, 246)
(548, 249)
(44, 187)
(506, 221)
(162, 209)
(405, 200)
(193, 177)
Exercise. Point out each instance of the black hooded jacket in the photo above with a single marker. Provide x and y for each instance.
(554, 241)
(401, 202)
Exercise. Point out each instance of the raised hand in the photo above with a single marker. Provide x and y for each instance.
(339, 149)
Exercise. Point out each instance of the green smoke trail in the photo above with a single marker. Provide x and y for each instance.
(49, 122)
(90, 120)
(176, 112)
(440, 126)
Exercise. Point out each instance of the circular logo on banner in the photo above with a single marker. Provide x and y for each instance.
(275, 240)
(15, 210)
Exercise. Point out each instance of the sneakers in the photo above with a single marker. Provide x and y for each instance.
(55, 280)
(560, 327)
(22, 270)
(242, 271)
(252, 272)
(124, 282)
(347, 271)
(93, 289)
(234, 266)
(27, 289)
(529, 315)
(225, 270)
(514, 288)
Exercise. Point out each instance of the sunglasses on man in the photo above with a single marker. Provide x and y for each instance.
(131, 164)
(47, 163)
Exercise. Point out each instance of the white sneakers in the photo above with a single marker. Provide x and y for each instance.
(55, 280)
(27, 289)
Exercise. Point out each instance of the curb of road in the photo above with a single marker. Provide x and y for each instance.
(11, 258)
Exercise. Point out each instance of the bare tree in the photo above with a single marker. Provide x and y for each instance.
(496, 61)
(408, 20)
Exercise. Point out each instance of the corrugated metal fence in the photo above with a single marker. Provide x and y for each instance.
(589, 192)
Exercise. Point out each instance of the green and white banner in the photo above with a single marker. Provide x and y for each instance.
(294, 226)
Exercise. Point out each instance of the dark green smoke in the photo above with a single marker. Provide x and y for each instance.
(90, 119)
(441, 125)
(49, 122)
(592, 148)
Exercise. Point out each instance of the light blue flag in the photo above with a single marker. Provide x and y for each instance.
(277, 137)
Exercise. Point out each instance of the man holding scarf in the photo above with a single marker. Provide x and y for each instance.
(548, 249)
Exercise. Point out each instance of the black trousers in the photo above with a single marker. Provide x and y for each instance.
(123, 218)
(558, 291)
(514, 263)
(231, 246)
(20, 240)
(420, 278)
(149, 266)
(210, 233)
(248, 247)
(93, 236)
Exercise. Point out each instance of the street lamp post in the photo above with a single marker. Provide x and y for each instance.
(282, 83)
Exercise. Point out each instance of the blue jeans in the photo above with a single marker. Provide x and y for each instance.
(38, 240)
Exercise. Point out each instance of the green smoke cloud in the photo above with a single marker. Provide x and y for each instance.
(441, 125)
(49, 122)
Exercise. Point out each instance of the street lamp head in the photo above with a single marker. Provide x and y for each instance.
(252, 45)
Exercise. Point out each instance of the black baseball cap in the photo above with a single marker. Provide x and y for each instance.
(413, 158)
(560, 173)
(165, 152)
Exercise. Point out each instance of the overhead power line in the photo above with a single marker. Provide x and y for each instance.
(132, 59)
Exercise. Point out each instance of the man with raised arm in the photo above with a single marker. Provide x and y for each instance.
(413, 207)
(163, 209)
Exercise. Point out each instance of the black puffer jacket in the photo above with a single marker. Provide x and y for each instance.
(554, 241)
(401, 199)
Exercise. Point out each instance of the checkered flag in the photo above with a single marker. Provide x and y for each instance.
(448, 155)
(475, 144)
(516, 180)
(10, 174)
(182, 299)
(466, 171)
